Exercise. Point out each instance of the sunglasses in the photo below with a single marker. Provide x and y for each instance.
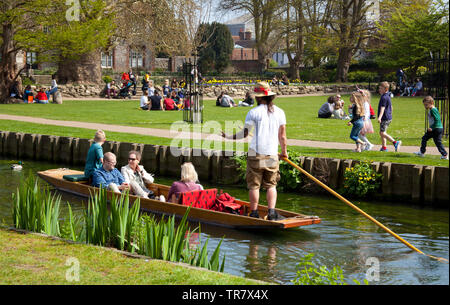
(131, 159)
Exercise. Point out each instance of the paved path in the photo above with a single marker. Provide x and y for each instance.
(164, 133)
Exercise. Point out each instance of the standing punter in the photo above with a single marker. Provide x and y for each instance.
(269, 122)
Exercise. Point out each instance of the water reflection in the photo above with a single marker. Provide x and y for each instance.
(344, 237)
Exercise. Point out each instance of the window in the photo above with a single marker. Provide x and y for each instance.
(107, 60)
(136, 59)
(31, 60)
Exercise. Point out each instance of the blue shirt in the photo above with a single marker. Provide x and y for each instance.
(385, 101)
(93, 162)
(103, 178)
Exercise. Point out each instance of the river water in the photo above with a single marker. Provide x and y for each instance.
(344, 238)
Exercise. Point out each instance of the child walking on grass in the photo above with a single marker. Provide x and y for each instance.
(357, 101)
(385, 117)
(435, 130)
(368, 127)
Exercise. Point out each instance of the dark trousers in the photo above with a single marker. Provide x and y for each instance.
(436, 134)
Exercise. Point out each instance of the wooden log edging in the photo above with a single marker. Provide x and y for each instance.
(407, 182)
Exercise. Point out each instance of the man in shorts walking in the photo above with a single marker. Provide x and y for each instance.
(385, 116)
(269, 123)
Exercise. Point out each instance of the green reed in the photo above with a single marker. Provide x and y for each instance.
(120, 226)
(36, 209)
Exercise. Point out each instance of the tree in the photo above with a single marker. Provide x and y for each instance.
(266, 16)
(351, 29)
(411, 32)
(305, 32)
(20, 21)
(215, 47)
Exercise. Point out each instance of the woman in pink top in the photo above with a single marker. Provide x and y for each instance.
(187, 183)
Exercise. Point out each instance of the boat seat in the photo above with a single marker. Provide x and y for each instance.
(75, 178)
(203, 199)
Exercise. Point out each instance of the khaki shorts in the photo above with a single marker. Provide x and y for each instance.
(262, 170)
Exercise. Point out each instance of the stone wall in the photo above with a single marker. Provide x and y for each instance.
(212, 91)
(405, 182)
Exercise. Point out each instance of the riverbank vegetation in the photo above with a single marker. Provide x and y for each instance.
(32, 259)
(114, 223)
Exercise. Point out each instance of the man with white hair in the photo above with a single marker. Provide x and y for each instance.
(108, 176)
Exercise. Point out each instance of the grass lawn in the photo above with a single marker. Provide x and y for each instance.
(135, 138)
(29, 259)
(301, 113)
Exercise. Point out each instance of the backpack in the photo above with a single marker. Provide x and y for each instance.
(226, 203)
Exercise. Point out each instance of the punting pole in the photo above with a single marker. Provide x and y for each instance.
(359, 210)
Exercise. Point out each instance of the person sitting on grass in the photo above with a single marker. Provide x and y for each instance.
(166, 88)
(338, 112)
(248, 101)
(435, 131)
(187, 183)
(15, 91)
(137, 177)
(157, 102)
(94, 159)
(28, 92)
(169, 104)
(174, 96)
(144, 103)
(225, 100)
(108, 176)
(41, 97)
(326, 110)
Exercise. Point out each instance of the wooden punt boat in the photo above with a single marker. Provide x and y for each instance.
(55, 178)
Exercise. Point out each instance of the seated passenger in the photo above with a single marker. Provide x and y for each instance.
(108, 176)
(248, 101)
(41, 97)
(187, 183)
(156, 102)
(327, 109)
(136, 176)
(94, 159)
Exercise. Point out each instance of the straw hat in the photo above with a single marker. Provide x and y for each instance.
(263, 89)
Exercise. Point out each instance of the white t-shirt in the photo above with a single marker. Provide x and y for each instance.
(266, 124)
(144, 100)
(366, 111)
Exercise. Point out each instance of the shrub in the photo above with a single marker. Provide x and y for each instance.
(107, 79)
(361, 180)
(362, 76)
(290, 178)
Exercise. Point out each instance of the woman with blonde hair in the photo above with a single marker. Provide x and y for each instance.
(357, 100)
(188, 182)
(367, 127)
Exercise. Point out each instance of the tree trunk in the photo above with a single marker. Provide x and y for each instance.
(343, 64)
(8, 67)
(86, 69)
(294, 70)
